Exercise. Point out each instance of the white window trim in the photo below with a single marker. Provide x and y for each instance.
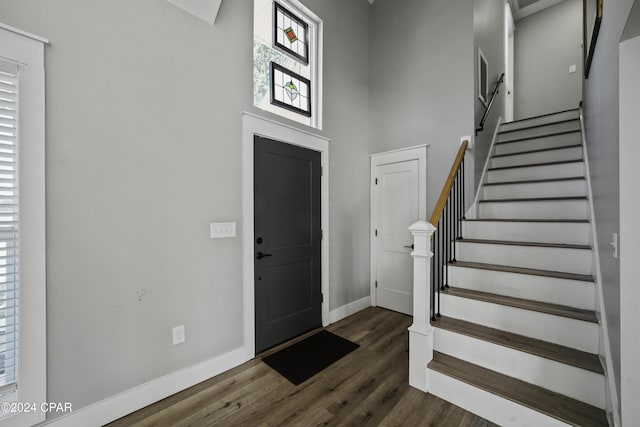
(315, 59)
(27, 51)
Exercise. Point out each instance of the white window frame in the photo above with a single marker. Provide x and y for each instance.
(316, 37)
(27, 51)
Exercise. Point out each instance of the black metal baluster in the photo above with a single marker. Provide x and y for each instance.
(433, 278)
(464, 201)
(452, 216)
(440, 239)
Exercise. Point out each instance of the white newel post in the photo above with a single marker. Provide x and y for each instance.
(421, 331)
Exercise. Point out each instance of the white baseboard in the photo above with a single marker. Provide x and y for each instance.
(349, 309)
(119, 405)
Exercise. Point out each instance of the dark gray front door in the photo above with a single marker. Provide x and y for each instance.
(287, 245)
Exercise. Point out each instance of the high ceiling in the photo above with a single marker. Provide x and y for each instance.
(523, 8)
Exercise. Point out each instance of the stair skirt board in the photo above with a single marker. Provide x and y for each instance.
(541, 120)
(534, 132)
(551, 141)
(548, 171)
(566, 260)
(534, 209)
(578, 334)
(492, 407)
(577, 233)
(571, 293)
(538, 156)
(568, 380)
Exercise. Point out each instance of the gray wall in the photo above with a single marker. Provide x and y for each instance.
(546, 44)
(143, 152)
(601, 109)
(488, 30)
(420, 92)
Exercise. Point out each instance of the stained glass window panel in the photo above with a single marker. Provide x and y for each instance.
(290, 90)
(290, 33)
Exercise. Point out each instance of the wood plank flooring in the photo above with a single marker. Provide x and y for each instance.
(368, 387)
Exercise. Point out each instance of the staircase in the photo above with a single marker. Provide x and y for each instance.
(518, 339)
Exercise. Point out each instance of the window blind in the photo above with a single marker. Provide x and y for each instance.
(9, 225)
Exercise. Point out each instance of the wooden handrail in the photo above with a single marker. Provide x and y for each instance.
(444, 195)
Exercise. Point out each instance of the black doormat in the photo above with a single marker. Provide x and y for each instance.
(304, 359)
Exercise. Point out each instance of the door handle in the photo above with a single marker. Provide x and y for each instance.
(260, 255)
(409, 247)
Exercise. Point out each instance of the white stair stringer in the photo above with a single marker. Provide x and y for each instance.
(575, 260)
(568, 380)
(575, 233)
(571, 293)
(579, 334)
(492, 407)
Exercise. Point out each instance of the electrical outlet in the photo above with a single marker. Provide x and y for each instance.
(221, 230)
(178, 335)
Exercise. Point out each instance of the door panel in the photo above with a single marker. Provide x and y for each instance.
(398, 208)
(287, 230)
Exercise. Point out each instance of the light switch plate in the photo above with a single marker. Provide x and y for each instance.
(573, 68)
(220, 230)
(178, 335)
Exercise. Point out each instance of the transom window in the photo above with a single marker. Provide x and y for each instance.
(287, 78)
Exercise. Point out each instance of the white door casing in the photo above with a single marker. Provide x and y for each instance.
(398, 199)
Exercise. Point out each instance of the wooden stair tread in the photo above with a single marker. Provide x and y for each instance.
(536, 244)
(536, 151)
(524, 138)
(531, 165)
(567, 355)
(540, 116)
(556, 122)
(553, 404)
(525, 304)
(533, 199)
(523, 270)
(536, 181)
(572, 221)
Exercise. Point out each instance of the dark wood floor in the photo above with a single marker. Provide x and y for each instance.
(368, 387)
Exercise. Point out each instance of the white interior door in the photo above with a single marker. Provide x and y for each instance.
(398, 192)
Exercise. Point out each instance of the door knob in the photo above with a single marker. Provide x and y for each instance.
(409, 247)
(260, 255)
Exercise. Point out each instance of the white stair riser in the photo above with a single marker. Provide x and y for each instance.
(577, 261)
(579, 384)
(552, 141)
(540, 131)
(535, 121)
(546, 209)
(487, 405)
(563, 170)
(570, 188)
(556, 155)
(572, 293)
(576, 233)
(573, 333)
